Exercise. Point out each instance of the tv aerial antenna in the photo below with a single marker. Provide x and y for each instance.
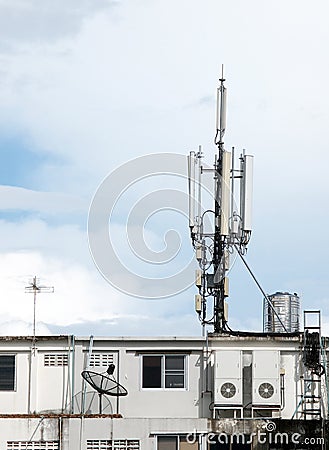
(35, 288)
(104, 383)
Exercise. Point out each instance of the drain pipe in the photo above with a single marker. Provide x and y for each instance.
(118, 378)
(84, 385)
(282, 390)
(205, 373)
(207, 357)
(73, 372)
(30, 383)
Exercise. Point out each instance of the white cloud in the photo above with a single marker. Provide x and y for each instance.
(82, 301)
(17, 198)
(67, 242)
(36, 20)
(22, 328)
(95, 90)
(78, 292)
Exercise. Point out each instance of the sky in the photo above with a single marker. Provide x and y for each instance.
(88, 86)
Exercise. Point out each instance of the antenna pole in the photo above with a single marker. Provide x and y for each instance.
(219, 322)
(100, 403)
(35, 289)
(34, 303)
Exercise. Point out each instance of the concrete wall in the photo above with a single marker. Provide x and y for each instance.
(60, 388)
(73, 433)
(145, 402)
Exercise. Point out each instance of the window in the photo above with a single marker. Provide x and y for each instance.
(167, 443)
(7, 372)
(164, 371)
(174, 371)
(176, 443)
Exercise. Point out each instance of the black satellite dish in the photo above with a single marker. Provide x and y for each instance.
(104, 383)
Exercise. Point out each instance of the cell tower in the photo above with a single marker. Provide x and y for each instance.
(231, 230)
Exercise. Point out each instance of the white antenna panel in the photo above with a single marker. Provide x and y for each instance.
(225, 203)
(223, 111)
(191, 159)
(218, 110)
(246, 191)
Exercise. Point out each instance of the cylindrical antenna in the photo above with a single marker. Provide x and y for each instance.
(221, 108)
(223, 111)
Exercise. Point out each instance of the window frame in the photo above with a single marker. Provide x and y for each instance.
(15, 373)
(163, 372)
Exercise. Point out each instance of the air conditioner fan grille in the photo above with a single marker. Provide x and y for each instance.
(228, 390)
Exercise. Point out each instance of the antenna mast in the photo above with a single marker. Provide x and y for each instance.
(232, 225)
(219, 291)
(34, 289)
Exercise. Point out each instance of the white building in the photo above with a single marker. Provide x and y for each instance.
(178, 389)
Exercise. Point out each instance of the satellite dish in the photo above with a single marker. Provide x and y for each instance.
(104, 383)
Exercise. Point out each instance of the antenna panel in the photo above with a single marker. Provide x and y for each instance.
(221, 110)
(218, 110)
(225, 202)
(246, 191)
(191, 159)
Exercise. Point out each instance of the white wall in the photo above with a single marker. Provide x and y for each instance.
(73, 433)
(52, 388)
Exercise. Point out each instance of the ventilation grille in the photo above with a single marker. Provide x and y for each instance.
(32, 445)
(266, 390)
(228, 390)
(56, 359)
(112, 445)
(101, 359)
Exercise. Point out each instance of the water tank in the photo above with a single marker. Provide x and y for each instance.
(287, 307)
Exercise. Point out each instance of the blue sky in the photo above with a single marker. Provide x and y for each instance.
(87, 86)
